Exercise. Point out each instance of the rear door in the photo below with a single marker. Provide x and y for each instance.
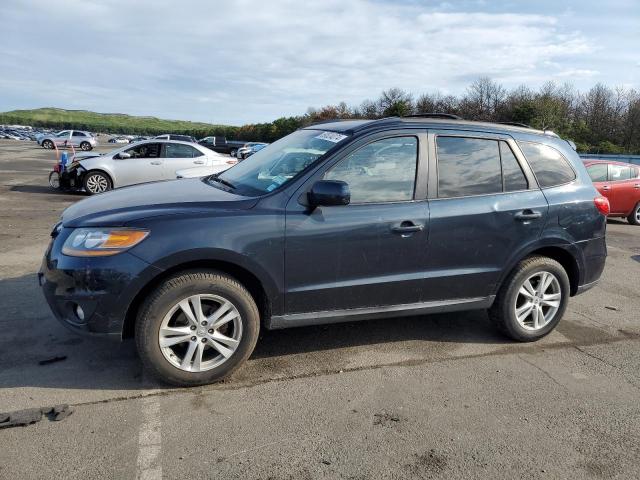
(625, 188)
(77, 138)
(599, 173)
(484, 204)
(144, 165)
(371, 252)
(178, 156)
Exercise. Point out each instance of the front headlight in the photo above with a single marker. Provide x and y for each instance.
(99, 242)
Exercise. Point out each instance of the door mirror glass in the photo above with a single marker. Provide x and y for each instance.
(328, 193)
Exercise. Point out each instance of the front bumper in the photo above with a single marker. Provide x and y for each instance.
(104, 287)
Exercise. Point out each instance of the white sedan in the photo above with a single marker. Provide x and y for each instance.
(145, 161)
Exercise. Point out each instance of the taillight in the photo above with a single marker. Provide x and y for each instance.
(602, 204)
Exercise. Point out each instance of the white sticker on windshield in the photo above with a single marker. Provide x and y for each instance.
(331, 137)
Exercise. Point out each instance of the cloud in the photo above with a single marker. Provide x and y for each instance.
(249, 61)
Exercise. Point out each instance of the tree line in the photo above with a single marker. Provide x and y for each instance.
(600, 120)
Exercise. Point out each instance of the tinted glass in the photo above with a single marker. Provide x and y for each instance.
(383, 171)
(78, 134)
(512, 174)
(548, 164)
(176, 150)
(598, 172)
(468, 166)
(63, 134)
(619, 172)
(146, 150)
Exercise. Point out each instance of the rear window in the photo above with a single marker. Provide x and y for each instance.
(597, 172)
(548, 164)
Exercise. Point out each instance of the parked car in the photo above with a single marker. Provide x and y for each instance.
(249, 149)
(118, 140)
(173, 136)
(222, 145)
(335, 222)
(620, 183)
(76, 138)
(145, 161)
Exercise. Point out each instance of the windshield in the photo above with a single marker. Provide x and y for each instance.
(277, 163)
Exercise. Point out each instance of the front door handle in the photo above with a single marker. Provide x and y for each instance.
(407, 227)
(198, 162)
(156, 162)
(527, 215)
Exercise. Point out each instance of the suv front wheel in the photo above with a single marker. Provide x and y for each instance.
(196, 328)
(532, 299)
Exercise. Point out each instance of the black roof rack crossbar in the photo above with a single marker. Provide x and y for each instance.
(449, 116)
(515, 124)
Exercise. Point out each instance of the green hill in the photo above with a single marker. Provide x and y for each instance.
(111, 122)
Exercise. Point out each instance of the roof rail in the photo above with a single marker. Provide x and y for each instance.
(449, 116)
(515, 124)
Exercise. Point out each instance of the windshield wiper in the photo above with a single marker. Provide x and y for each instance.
(223, 181)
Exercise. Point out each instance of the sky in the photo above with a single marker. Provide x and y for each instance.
(245, 61)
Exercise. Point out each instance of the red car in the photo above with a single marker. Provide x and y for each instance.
(620, 183)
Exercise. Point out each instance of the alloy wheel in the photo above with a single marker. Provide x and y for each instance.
(200, 332)
(97, 184)
(538, 300)
(637, 213)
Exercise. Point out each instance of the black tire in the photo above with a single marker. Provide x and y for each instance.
(233, 152)
(54, 180)
(96, 181)
(166, 296)
(48, 144)
(86, 146)
(502, 312)
(634, 216)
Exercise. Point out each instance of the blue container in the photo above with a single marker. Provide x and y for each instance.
(64, 158)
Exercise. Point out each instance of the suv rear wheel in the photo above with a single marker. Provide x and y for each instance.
(86, 146)
(532, 299)
(634, 217)
(196, 328)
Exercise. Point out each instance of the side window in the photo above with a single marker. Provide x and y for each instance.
(177, 150)
(619, 172)
(512, 174)
(468, 166)
(78, 134)
(382, 171)
(597, 172)
(63, 134)
(550, 167)
(146, 150)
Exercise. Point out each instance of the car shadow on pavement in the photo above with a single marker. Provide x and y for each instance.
(32, 335)
(45, 189)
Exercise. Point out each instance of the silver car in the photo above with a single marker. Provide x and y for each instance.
(145, 161)
(77, 138)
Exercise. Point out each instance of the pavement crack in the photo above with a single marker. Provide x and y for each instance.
(543, 371)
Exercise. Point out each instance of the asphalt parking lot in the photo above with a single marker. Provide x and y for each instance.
(443, 396)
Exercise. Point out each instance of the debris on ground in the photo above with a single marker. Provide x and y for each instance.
(384, 418)
(52, 360)
(610, 307)
(28, 416)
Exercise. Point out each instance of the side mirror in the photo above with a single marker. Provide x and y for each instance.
(328, 193)
(123, 156)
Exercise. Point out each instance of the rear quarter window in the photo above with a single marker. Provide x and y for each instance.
(548, 164)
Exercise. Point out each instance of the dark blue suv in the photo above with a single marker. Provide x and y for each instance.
(336, 222)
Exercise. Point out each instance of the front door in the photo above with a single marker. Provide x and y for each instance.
(368, 253)
(484, 205)
(625, 188)
(143, 165)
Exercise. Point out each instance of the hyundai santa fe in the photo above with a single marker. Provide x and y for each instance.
(335, 222)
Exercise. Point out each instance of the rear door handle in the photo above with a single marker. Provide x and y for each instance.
(606, 187)
(156, 162)
(407, 227)
(198, 162)
(637, 185)
(527, 215)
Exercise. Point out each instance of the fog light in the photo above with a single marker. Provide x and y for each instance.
(79, 312)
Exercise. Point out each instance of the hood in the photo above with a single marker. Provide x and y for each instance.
(87, 155)
(121, 206)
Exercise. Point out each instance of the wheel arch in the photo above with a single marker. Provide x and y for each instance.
(565, 254)
(100, 170)
(246, 277)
